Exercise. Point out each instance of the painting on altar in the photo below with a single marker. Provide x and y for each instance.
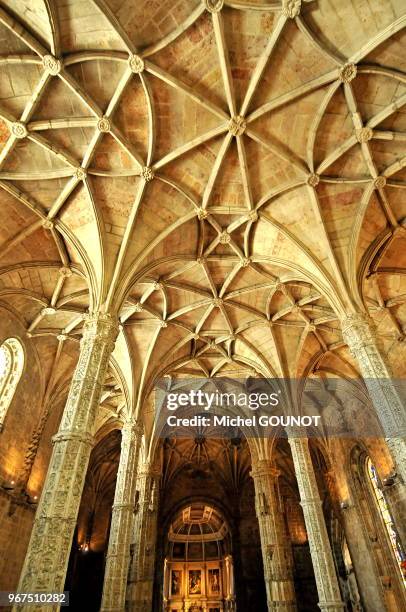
(176, 581)
(214, 581)
(195, 582)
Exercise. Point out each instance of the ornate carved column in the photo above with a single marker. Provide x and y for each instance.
(51, 538)
(360, 337)
(141, 575)
(122, 521)
(366, 572)
(276, 549)
(320, 550)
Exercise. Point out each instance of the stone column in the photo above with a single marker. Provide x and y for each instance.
(366, 571)
(141, 575)
(359, 335)
(122, 521)
(320, 549)
(276, 549)
(51, 538)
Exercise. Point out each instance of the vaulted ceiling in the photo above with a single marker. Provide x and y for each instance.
(227, 176)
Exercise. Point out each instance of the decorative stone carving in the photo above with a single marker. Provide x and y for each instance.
(48, 224)
(51, 538)
(217, 302)
(348, 72)
(80, 174)
(122, 521)
(214, 6)
(225, 238)
(19, 129)
(104, 125)
(237, 125)
(276, 549)
(163, 324)
(291, 8)
(313, 179)
(320, 549)
(380, 182)
(245, 262)
(138, 307)
(364, 134)
(136, 64)
(147, 174)
(52, 64)
(48, 311)
(65, 271)
(252, 215)
(32, 449)
(202, 214)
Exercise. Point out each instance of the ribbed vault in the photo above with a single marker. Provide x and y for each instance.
(228, 177)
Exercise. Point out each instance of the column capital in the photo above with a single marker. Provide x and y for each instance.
(100, 326)
(296, 440)
(78, 436)
(147, 470)
(358, 330)
(264, 467)
(132, 430)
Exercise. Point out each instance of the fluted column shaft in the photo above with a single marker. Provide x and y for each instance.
(276, 549)
(122, 521)
(360, 337)
(51, 538)
(141, 575)
(320, 549)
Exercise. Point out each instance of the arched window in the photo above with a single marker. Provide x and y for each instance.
(11, 367)
(386, 516)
